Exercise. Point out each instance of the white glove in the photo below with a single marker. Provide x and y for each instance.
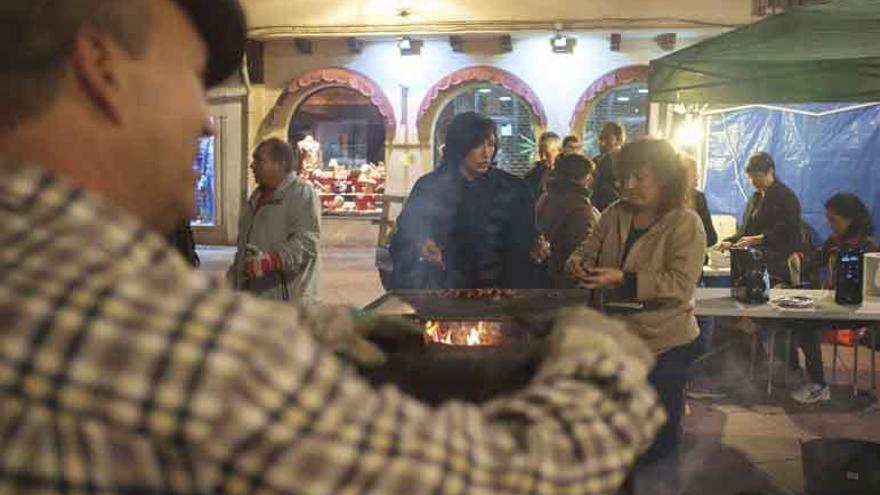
(578, 330)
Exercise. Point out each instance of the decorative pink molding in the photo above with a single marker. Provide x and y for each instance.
(489, 75)
(618, 77)
(348, 78)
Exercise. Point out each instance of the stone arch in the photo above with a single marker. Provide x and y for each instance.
(618, 77)
(451, 85)
(298, 90)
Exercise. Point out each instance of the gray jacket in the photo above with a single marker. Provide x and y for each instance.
(288, 222)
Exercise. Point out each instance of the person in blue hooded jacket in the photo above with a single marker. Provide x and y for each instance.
(466, 224)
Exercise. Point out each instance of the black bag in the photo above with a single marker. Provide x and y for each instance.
(838, 466)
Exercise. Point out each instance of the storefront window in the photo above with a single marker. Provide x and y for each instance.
(627, 104)
(511, 114)
(339, 136)
(205, 190)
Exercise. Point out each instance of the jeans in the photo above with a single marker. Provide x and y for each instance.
(660, 461)
(701, 346)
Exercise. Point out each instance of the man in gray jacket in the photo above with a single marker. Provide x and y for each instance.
(279, 233)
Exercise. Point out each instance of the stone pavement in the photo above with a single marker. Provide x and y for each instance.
(736, 446)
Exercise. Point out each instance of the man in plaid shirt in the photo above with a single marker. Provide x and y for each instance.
(124, 371)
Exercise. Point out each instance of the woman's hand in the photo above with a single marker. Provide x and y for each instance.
(598, 278)
(723, 246)
(574, 267)
(431, 253)
(749, 241)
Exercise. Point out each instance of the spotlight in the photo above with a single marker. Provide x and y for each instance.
(562, 44)
(409, 46)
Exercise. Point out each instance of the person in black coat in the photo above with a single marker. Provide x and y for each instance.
(467, 224)
(611, 139)
(772, 219)
(698, 201)
(549, 148)
(181, 238)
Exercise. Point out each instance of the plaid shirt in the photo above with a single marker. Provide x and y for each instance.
(124, 371)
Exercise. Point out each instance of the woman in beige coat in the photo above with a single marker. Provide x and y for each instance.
(650, 246)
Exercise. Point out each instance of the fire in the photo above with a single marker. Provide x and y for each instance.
(465, 333)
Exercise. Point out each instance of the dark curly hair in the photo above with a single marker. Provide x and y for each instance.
(849, 206)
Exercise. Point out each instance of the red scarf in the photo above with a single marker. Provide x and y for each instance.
(265, 194)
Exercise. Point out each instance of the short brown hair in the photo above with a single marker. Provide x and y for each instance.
(659, 156)
(573, 166)
(615, 129)
(37, 36)
(279, 151)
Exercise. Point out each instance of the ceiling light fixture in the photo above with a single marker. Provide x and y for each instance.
(562, 44)
(409, 46)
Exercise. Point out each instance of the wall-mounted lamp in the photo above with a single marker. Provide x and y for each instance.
(409, 46)
(666, 41)
(457, 44)
(562, 44)
(354, 45)
(506, 43)
(614, 42)
(303, 46)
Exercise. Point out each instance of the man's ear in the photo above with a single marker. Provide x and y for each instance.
(98, 64)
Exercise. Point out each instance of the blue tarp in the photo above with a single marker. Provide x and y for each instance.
(819, 150)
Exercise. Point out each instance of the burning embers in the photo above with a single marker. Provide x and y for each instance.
(472, 333)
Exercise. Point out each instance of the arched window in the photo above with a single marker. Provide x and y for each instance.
(340, 137)
(349, 128)
(626, 104)
(512, 115)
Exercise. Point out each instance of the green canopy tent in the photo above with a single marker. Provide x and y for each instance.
(823, 52)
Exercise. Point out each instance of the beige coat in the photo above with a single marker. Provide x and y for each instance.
(289, 223)
(667, 261)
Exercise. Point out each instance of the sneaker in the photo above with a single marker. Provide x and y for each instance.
(810, 393)
(703, 389)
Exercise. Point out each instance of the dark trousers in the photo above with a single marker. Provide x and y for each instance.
(702, 346)
(659, 464)
(809, 341)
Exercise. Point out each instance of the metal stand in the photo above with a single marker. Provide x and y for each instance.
(771, 361)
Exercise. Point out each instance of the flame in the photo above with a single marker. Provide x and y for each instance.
(464, 333)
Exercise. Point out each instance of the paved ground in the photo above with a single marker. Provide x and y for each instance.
(749, 444)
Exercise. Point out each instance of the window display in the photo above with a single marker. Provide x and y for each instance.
(205, 191)
(339, 137)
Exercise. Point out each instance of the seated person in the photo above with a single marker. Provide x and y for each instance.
(851, 226)
(565, 214)
(467, 224)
